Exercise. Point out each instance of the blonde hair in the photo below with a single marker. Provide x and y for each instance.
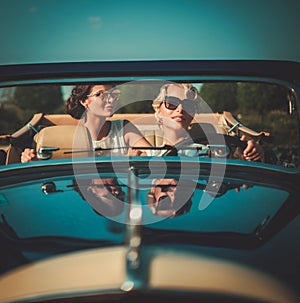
(190, 91)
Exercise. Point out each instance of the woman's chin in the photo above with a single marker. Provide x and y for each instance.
(178, 126)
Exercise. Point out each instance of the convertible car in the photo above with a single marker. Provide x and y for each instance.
(229, 235)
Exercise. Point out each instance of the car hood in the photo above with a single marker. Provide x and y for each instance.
(237, 205)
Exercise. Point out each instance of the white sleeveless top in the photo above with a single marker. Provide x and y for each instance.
(114, 139)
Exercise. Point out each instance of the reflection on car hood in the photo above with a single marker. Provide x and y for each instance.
(45, 213)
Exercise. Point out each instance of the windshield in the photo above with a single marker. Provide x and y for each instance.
(263, 112)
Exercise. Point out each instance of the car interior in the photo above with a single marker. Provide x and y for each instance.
(43, 130)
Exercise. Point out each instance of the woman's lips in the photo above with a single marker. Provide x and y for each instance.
(178, 118)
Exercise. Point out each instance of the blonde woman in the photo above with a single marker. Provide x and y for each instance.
(175, 107)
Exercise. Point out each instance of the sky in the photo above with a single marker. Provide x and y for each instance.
(36, 31)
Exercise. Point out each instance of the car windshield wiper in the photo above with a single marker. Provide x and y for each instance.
(125, 147)
(201, 151)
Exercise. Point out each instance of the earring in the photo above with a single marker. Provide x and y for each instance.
(158, 119)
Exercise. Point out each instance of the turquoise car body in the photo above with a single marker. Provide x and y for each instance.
(67, 42)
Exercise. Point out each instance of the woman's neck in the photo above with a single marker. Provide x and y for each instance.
(97, 126)
(172, 137)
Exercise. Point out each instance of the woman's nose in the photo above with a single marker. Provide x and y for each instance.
(179, 108)
(110, 99)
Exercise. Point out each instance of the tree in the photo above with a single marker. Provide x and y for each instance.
(38, 98)
(9, 118)
(220, 96)
(137, 97)
(261, 97)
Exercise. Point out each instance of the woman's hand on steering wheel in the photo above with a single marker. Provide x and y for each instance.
(253, 150)
(28, 155)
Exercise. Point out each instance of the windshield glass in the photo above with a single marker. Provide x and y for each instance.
(263, 112)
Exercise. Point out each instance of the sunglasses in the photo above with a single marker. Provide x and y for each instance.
(105, 96)
(172, 103)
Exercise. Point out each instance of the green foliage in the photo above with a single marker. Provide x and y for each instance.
(220, 97)
(264, 108)
(244, 97)
(9, 118)
(137, 97)
(261, 97)
(278, 123)
(41, 98)
(12, 117)
(283, 127)
(22, 102)
(261, 107)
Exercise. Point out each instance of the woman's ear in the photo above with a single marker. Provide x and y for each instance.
(84, 103)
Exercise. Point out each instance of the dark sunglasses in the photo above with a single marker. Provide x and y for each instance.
(172, 103)
(115, 95)
(165, 188)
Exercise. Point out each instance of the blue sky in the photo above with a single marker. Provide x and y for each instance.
(34, 31)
